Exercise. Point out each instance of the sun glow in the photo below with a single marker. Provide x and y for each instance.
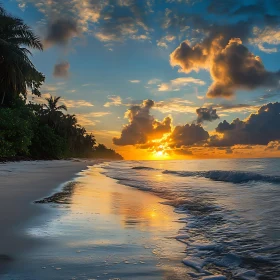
(162, 154)
(159, 153)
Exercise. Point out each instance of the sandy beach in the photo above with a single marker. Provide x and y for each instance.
(99, 230)
(21, 184)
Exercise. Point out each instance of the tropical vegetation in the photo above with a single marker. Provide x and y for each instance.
(27, 129)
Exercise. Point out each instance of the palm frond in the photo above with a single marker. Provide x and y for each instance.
(62, 107)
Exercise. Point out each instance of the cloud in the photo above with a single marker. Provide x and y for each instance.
(178, 83)
(237, 68)
(61, 31)
(98, 114)
(107, 20)
(90, 120)
(268, 35)
(249, 9)
(232, 67)
(76, 103)
(142, 126)
(258, 129)
(115, 101)
(82, 12)
(165, 40)
(219, 7)
(122, 20)
(135, 81)
(187, 135)
(61, 70)
(178, 105)
(84, 121)
(154, 81)
(206, 114)
(273, 145)
(235, 108)
(269, 95)
(183, 151)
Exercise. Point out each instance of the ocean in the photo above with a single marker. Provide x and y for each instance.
(157, 220)
(230, 211)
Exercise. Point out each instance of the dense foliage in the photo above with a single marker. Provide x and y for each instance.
(35, 130)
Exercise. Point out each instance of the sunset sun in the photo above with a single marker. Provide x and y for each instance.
(159, 153)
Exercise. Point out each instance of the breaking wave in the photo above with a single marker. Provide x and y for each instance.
(229, 233)
(143, 168)
(236, 177)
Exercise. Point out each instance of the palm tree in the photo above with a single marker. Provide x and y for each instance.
(53, 111)
(17, 72)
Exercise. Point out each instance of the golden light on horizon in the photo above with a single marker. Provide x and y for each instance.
(160, 154)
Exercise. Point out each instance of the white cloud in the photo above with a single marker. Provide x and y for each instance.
(177, 105)
(87, 85)
(135, 81)
(177, 84)
(268, 35)
(76, 103)
(98, 114)
(164, 40)
(162, 44)
(115, 101)
(86, 122)
(154, 81)
(90, 120)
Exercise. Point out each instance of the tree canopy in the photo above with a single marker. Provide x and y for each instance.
(39, 131)
(17, 72)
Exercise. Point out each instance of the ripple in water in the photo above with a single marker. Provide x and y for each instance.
(231, 224)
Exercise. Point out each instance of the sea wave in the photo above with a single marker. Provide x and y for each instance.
(143, 168)
(236, 177)
(221, 238)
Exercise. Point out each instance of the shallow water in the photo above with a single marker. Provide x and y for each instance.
(98, 229)
(230, 208)
(200, 219)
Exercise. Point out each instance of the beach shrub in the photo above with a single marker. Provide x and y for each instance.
(16, 132)
(46, 144)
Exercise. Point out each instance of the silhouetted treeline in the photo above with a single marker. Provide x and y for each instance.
(39, 131)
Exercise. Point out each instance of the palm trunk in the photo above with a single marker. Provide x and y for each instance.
(3, 97)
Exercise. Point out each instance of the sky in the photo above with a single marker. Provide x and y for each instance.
(164, 79)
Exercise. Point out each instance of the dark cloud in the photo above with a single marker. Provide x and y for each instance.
(269, 95)
(61, 31)
(232, 67)
(61, 70)
(123, 19)
(258, 129)
(183, 151)
(222, 6)
(250, 9)
(228, 107)
(228, 150)
(237, 68)
(142, 126)
(192, 57)
(187, 135)
(273, 145)
(206, 114)
(220, 48)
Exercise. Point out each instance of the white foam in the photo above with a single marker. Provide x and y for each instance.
(215, 277)
(197, 264)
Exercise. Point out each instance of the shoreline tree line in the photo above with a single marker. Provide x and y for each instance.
(30, 130)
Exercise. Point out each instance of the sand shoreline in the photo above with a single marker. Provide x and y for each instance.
(104, 230)
(21, 184)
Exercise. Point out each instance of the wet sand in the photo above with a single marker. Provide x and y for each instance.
(22, 183)
(99, 229)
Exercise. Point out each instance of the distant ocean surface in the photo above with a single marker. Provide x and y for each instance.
(231, 210)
